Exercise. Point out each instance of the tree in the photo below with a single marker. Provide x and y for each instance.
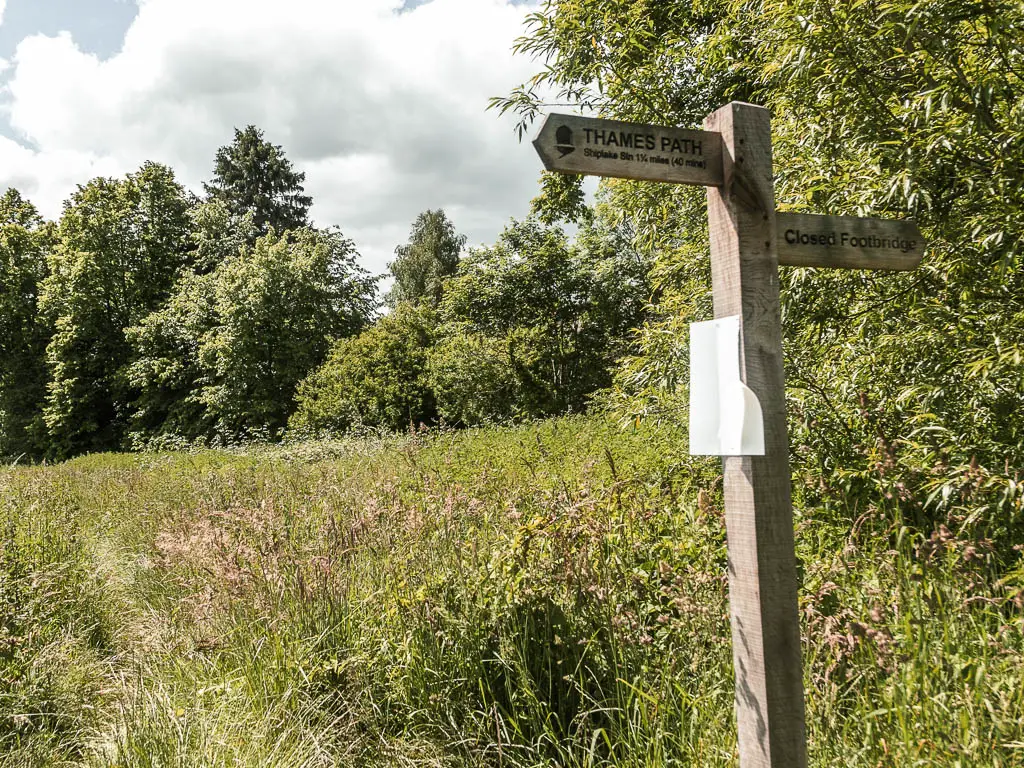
(121, 244)
(430, 257)
(278, 311)
(472, 378)
(375, 379)
(166, 370)
(560, 314)
(920, 373)
(251, 175)
(217, 235)
(635, 60)
(223, 358)
(24, 243)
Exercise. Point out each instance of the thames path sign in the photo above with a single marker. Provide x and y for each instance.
(572, 144)
(732, 157)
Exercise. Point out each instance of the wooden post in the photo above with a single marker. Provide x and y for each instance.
(758, 507)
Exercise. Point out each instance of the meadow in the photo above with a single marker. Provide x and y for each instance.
(551, 594)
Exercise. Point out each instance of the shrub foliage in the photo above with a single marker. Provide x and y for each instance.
(375, 379)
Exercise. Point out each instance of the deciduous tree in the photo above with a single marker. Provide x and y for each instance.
(375, 379)
(561, 314)
(902, 386)
(223, 358)
(25, 241)
(121, 244)
(430, 257)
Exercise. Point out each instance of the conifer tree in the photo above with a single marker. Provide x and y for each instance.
(251, 175)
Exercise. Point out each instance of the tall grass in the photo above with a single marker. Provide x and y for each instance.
(552, 594)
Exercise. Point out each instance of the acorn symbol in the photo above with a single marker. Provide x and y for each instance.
(563, 140)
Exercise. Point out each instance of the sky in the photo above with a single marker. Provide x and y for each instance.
(382, 103)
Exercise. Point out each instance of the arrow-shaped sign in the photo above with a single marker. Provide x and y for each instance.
(808, 240)
(588, 145)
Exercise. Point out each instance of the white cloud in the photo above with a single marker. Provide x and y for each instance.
(50, 176)
(384, 111)
(3, 7)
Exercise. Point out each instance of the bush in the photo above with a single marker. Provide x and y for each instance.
(472, 378)
(376, 379)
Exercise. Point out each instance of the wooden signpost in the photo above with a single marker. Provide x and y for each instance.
(749, 241)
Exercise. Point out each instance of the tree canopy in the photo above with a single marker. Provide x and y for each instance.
(547, 318)
(24, 242)
(145, 314)
(222, 359)
(376, 379)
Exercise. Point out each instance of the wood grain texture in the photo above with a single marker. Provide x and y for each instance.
(848, 242)
(597, 147)
(758, 508)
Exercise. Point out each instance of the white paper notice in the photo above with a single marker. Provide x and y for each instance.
(725, 416)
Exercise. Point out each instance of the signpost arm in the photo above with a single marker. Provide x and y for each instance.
(758, 508)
